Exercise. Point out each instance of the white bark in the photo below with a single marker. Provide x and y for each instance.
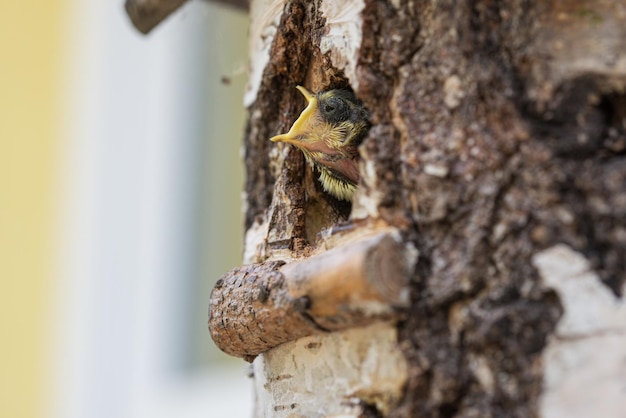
(326, 375)
(585, 361)
(343, 37)
(264, 17)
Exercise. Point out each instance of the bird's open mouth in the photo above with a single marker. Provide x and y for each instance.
(301, 125)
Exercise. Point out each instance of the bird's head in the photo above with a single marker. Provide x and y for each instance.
(333, 121)
(328, 132)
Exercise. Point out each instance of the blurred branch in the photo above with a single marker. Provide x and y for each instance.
(147, 14)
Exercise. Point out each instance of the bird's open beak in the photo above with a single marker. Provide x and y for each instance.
(303, 124)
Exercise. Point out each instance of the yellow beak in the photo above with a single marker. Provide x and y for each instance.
(302, 125)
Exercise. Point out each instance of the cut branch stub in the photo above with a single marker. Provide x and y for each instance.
(257, 307)
(250, 311)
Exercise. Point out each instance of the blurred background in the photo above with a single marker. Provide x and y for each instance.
(120, 205)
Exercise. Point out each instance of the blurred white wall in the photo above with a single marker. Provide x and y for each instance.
(150, 214)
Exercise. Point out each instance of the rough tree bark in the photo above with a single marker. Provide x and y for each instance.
(498, 151)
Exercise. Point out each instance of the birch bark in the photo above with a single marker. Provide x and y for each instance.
(497, 148)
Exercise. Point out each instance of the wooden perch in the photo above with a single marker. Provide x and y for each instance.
(257, 307)
(147, 14)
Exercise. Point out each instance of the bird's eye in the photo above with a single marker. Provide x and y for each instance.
(335, 109)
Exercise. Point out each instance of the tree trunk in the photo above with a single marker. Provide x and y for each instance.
(497, 152)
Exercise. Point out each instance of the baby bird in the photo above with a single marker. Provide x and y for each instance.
(328, 132)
